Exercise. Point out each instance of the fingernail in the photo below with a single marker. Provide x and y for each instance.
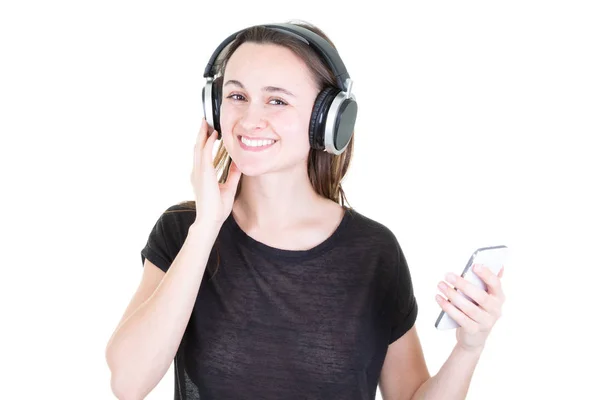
(477, 268)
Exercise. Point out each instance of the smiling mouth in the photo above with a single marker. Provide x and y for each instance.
(255, 144)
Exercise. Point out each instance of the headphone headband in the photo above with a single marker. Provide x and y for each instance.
(322, 46)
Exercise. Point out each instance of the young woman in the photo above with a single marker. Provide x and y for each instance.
(268, 285)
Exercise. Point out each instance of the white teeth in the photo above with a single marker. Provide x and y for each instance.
(256, 143)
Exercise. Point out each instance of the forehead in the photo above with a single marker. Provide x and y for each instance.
(257, 65)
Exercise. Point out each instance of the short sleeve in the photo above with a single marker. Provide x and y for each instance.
(403, 308)
(159, 245)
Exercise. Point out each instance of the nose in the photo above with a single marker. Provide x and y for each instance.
(253, 117)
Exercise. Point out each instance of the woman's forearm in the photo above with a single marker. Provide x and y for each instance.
(453, 379)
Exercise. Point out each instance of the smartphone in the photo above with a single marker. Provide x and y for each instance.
(494, 258)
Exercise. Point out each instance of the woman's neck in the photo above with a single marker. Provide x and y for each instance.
(275, 201)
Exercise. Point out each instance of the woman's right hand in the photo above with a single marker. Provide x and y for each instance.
(214, 200)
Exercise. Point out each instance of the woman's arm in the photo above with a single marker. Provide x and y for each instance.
(453, 379)
(476, 322)
(143, 346)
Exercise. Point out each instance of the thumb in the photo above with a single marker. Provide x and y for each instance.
(233, 178)
(207, 155)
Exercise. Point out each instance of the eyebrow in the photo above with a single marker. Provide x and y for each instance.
(266, 88)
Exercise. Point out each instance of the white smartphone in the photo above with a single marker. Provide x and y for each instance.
(492, 257)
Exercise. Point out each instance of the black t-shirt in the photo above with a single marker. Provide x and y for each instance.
(285, 324)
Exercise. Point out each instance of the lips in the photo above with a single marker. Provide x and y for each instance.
(255, 148)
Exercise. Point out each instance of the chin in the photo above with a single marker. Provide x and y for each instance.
(254, 170)
(258, 169)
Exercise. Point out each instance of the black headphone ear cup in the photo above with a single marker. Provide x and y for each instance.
(316, 129)
(217, 90)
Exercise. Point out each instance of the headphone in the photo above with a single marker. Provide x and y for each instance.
(335, 108)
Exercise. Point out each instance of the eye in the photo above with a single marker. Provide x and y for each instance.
(234, 94)
(282, 103)
(235, 98)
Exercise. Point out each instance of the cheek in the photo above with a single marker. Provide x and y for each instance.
(227, 119)
(293, 131)
(295, 136)
(292, 126)
(227, 114)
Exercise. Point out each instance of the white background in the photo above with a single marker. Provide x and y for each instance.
(478, 125)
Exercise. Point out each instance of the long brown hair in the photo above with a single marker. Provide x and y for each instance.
(325, 170)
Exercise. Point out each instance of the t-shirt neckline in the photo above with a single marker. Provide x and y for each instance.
(242, 237)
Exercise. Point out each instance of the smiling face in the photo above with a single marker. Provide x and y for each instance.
(268, 96)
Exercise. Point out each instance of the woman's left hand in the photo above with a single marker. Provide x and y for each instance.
(475, 320)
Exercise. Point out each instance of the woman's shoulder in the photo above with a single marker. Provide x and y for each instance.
(369, 226)
(176, 219)
(187, 206)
